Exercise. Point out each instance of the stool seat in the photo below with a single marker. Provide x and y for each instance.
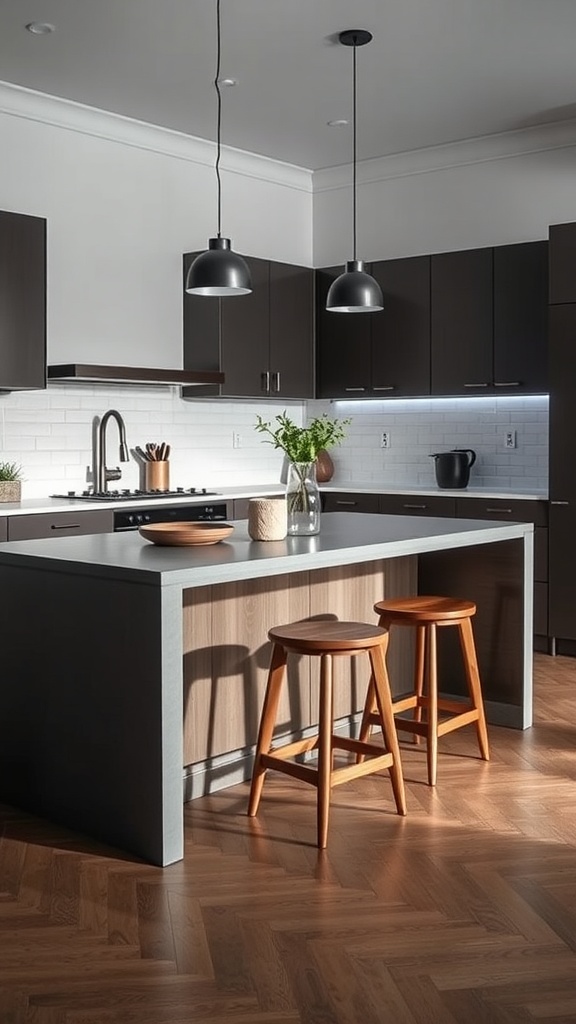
(425, 609)
(425, 613)
(326, 638)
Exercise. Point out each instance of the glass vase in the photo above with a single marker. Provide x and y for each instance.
(302, 500)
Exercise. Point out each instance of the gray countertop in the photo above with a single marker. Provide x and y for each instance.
(37, 506)
(343, 540)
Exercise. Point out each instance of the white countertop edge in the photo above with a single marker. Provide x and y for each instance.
(38, 506)
(119, 556)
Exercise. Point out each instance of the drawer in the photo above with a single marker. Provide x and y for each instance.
(516, 510)
(344, 502)
(413, 505)
(60, 524)
(3, 528)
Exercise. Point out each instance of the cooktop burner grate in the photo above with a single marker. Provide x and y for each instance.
(127, 495)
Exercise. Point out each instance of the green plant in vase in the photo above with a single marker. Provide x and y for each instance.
(301, 446)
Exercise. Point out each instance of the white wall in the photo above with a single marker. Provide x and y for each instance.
(490, 191)
(123, 201)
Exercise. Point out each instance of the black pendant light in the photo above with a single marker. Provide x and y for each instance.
(218, 271)
(354, 291)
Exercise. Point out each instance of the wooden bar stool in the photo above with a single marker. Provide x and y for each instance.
(327, 639)
(425, 614)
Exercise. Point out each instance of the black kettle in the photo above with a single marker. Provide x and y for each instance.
(453, 468)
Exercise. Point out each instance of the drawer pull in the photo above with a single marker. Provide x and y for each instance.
(385, 387)
(338, 502)
(265, 381)
(276, 381)
(484, 384)
(507, 383)
(67, 526)
(414, 506)
(354, 389)
(509, 510)
(559, 502)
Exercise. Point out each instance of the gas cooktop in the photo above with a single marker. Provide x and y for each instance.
(127, 495)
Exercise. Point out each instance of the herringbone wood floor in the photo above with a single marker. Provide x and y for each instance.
(465, 911)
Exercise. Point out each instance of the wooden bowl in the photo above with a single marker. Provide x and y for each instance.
(184, 534)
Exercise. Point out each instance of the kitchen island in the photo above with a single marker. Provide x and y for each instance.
(118, 654)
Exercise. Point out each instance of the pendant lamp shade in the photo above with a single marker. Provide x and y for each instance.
(219, 271)
(354, 291)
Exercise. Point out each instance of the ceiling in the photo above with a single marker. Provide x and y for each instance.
(436, 71)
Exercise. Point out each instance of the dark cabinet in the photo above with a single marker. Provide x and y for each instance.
(520, 511)
(377, 355)
(401, 334)
(418, 505)
(22, 302)
(60, 524)
(462, 316)
(521, 318)
(3, 528)
(489, 320)
(343, 346)
(262, 342)
(347, 501)
(562, 263)
(562, 459)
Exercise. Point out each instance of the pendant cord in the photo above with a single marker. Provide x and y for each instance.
(354, 150)
(219, 122)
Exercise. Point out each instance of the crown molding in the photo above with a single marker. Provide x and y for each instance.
(503, 146)
(30, 105)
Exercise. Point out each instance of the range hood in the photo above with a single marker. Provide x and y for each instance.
(87, 373)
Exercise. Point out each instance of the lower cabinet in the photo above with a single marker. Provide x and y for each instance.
(60, 524)
(3, 528)
(345, 501)
(413, 505)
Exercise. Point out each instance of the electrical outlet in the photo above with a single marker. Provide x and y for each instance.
(385, 439)
(236, 440)
(510, 439)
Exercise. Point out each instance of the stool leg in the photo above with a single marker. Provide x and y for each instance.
(267, 723)
(419, 661)
(432, 735)
(383, 696)
(370, 705)
(473, 678)
(325, 756)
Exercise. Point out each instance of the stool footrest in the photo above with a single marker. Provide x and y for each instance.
(458, 721)
(298, 771)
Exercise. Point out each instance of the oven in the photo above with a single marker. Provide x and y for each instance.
(132, 518)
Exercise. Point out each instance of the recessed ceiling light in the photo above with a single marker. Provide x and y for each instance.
(339, 123)
(40, 28)
(228, 81)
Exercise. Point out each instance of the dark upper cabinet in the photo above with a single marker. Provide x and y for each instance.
(489, 320)
(521, 318)
(343, 346)
(562, 263)
(401, 333)
(462, 316)
(377, 355)
(262, 342)
(22, 302)
(291, 359)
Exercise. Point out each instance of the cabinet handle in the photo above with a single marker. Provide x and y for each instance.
(484, 384)
(338, 502)
(414, 506)
(507, 383)
(559, 502)
(68, 526)
(387, 387)
(265, 381)
(509, 510)
(354, 389)
(276, 381)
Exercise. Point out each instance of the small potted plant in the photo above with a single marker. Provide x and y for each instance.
(10, 481)
(301, 446)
